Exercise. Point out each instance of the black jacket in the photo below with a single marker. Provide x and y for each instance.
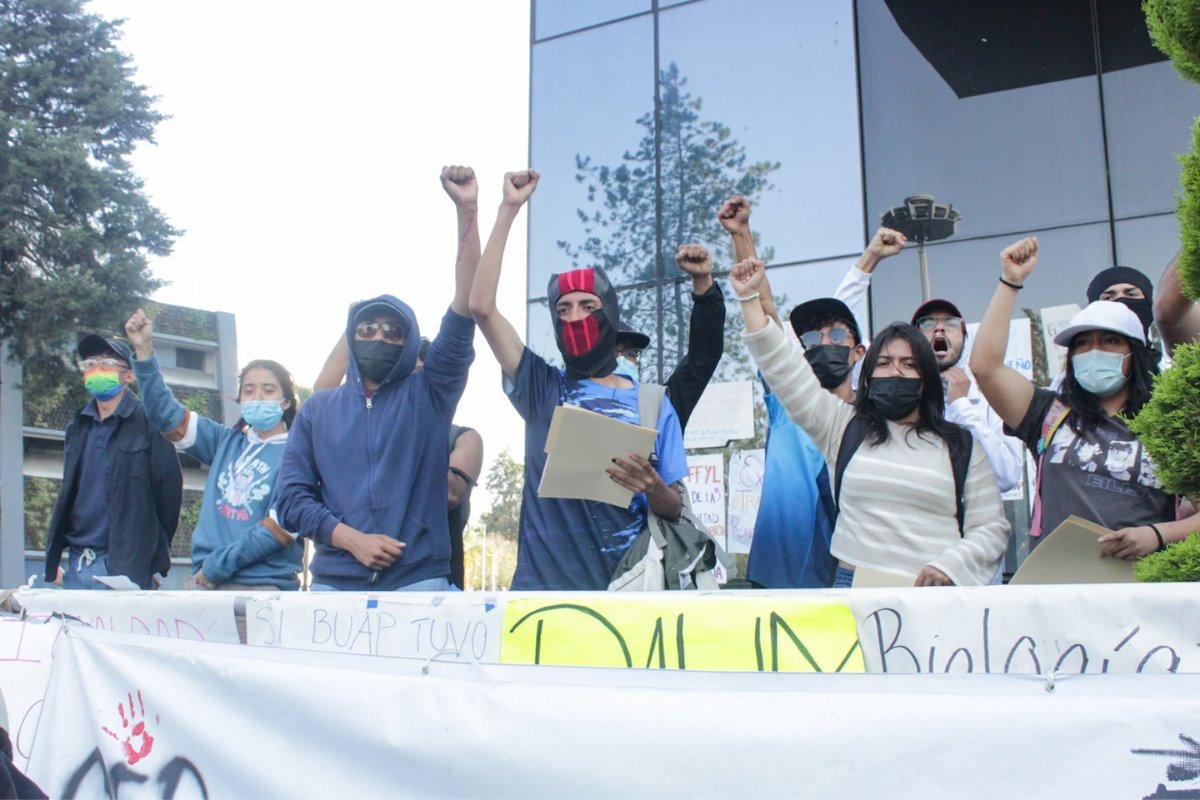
(143, 487)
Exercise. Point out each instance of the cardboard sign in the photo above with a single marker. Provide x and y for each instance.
(706, 488)
(725, 413)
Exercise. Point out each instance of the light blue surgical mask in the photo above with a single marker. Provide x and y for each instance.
(262, 415)
(628, 369)
(1099, 372)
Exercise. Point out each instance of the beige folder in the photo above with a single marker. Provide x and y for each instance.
(1071, 554)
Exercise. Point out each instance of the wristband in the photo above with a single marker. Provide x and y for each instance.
(1162, 543)
(1017, 286)
(749, 297)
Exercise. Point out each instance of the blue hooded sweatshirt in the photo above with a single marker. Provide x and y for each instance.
(379, 463)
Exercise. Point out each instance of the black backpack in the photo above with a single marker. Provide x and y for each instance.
(960, 461)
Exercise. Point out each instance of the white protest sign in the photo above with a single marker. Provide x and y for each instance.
(1055, 319)
(447, 625)
(746, 468)
(201, 615)
(706, 487)
(1019, 354)
(725, 413)
(1030, 629)
(136, 713)
(26, 649)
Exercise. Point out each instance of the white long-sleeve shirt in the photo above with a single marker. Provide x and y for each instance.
(1005, 453)
(898, 510)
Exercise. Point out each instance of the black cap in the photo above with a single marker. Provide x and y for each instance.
(936, 304)
(93, 344)
(824, 308)
(629, 337)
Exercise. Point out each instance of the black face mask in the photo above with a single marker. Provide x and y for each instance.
(588, 346)
(830, 363)
(376, 358)
(895, 397)
(1142, 307)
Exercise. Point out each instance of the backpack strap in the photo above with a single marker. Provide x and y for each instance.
(852, 437)
(960, 463)
(1056, 415)
(650, 400)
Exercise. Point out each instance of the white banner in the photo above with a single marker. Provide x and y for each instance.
(746, 468)
(201, 615)
(26, 650)
(706, 485)
(177, 718)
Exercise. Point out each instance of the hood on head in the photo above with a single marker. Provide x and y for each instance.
(410, 348)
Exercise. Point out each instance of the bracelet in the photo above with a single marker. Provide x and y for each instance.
(749, 297)
(1162, 543)
(1017, 286)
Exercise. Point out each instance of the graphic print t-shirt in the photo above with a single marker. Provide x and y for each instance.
(576, 544)
(1103, 475)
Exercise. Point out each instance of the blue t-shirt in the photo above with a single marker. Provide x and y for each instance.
(576, 544)
(790, 549)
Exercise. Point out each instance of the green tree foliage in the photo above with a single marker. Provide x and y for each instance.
(633, 232)
(1179, 562)
(75, 225)
(505, 481)
(1168, 426)
(1174, 26)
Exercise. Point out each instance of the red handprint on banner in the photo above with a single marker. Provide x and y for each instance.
(138, 742)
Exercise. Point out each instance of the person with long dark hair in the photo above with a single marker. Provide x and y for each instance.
(1090, 463)
(237, 544)
(900, 511)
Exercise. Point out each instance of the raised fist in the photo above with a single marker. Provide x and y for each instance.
(518, 186)
(886, 242)
(694, 260)
(1018, 260)
(139, 330)
(746, 276)
(459, 183)
(734, 214)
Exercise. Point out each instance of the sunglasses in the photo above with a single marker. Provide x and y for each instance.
(834, 335)
(93, 363)
(929, 323)
(392, 331)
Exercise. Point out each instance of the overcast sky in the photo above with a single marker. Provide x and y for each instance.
(302, 160)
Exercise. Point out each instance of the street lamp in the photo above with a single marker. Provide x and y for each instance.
(923, 220)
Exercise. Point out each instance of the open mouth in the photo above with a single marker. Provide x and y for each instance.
(941, 345)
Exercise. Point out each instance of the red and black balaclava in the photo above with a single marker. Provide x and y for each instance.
(588, 345)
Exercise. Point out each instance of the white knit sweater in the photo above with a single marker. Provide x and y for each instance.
(897, 501)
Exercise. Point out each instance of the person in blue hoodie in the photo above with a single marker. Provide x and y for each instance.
(236, 544)
(364, 472)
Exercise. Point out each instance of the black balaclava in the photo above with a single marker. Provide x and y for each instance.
(588, 345)
(1143, 307)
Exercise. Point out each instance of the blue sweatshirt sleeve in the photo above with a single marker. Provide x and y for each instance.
(449, 361)
(299, 505)
(255, 544)
(167, 414)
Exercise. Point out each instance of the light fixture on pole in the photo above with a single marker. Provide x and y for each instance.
(923, 220)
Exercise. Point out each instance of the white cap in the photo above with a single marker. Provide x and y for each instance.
(1103, 315)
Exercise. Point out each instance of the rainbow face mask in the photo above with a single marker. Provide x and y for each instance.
(104, 383)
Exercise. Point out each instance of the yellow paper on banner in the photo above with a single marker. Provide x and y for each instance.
(658, 631)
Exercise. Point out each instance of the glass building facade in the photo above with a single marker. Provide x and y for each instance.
(1059, 120)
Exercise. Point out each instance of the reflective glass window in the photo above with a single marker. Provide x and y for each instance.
(762, 98)
(991, 107)
(1148, 244)
(591, 95)
(552, 17)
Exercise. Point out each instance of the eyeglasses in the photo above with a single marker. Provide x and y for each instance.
(929, 323)
(634, 354)
(93, 363)
(392, 331)
(834, 335)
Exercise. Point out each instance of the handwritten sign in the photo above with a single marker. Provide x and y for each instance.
(746, 468)
(725, 413)
(452, 627)
(758, 634)
(1055, 319)
(706, 487)
(1019, 354)
(200, 616)
(26, 649)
